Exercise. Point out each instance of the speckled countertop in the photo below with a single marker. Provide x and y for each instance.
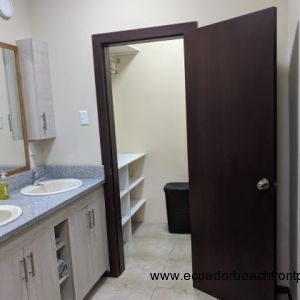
(37, 208)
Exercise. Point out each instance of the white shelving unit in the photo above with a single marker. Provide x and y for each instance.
(131, 180)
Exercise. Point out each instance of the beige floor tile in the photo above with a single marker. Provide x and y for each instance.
(149, 248)
(151, 230)
(181, 250)
(179, 294)
(132, 280)
(137, 273)
(153, 249)
(181, 267)
(186, 237)
(121, 293)
(144, 265)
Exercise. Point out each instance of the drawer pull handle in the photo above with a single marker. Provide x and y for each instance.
(44, 117)
(90, 219)
(32, 272)
(23, 261)
(93, 214)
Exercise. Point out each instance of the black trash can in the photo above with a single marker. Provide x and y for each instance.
(178, 207)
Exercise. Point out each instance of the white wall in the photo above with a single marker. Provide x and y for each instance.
(150, 116)
(294, 87)
(18, 26)
(67, 26)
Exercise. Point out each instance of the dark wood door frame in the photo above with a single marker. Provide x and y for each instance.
(101, 43)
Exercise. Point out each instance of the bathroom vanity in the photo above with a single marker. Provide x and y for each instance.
(70, 226)
(53, 246)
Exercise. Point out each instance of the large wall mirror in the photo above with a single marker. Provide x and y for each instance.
(14, 156)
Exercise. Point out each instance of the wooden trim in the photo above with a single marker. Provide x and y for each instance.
(22, 109)
(101, 42)
(8, 46)
(145, 34)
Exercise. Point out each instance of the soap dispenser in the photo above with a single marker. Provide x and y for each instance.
(4, 193)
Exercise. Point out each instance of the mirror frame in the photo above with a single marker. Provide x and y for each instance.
(22, 110)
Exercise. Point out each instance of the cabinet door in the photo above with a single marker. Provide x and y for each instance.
(42, 268)
(99, 237)
(43, 89)
(79, 230)
(13, 278)
(34, 61)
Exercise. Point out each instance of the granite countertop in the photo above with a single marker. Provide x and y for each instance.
(37, 208)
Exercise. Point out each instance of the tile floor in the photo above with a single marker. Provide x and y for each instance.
(153, 249)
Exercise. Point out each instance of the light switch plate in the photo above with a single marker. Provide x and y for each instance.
(84, 118)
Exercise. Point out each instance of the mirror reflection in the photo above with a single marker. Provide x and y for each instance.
(12, 144)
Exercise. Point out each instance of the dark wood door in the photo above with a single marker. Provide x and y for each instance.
(231, 101)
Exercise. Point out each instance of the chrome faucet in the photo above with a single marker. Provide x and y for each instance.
(36, 179)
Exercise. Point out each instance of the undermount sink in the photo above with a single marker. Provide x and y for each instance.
(9, 213)
(51, 187)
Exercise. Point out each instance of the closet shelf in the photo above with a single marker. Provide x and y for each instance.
(60, 245)
(124, 159)
(135, 205)
(125, 219)
(134, 182)
(123, 193)
(123, 50)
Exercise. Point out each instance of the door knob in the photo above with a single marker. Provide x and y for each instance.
(263, 184)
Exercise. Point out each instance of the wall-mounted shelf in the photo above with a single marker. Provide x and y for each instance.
(123, 50)
(131, 180)
(116, 52)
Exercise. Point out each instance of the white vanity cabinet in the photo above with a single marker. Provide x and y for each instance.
(77, 234)
(12, 283)
(42, 268)
(88, 240)
(98, 235)
(35, 73)
(30, 272)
